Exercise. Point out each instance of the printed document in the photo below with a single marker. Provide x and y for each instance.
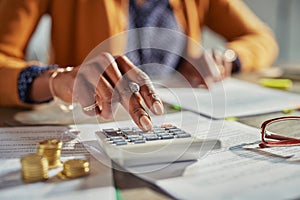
(232, 172)
(230, 98)
(20, 141)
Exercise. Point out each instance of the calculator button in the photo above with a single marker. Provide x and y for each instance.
(161, 134)
(111, 132)
(115, 138)
(139, 141)
(150, 137)
(134, 139)
(129, 132)
(171, 127)
(159, 131)
(120, 143)
(140, 132)
(176, 132)
(164, 137)
(108, 129)
(130, 137)
(183, 135)
(125, 129)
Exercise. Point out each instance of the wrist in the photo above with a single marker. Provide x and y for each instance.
(62, 103)
(40, 91)
(32, 84)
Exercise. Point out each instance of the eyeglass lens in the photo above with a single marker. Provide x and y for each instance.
(282, 129)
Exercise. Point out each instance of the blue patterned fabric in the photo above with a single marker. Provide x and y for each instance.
(153, 13)
(26, 78)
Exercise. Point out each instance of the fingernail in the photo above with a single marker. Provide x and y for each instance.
(158, 108)
(146, 123)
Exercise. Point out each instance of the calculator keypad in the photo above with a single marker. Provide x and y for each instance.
(124, 136)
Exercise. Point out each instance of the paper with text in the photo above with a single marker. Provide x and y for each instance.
(230, 98)
(235, 172)
(17, 142)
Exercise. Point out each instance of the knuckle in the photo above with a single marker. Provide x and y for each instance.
(124, 93)
(123, 58)
(154, 96)
(106, 55)
(105, 59)
(138, 111)
(107, 100)
(142, 78)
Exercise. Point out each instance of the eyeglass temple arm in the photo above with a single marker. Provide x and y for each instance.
(280, 137)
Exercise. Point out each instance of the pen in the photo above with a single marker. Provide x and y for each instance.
(176, 107)
(118, 194)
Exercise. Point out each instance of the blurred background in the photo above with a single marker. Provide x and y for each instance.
(282, 16)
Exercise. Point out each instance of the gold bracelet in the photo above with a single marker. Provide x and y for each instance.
(64, 106)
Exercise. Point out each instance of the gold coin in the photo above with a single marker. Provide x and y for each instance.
(61, 175)
(52, 143)
(34, 168)
(76, 163)
(75, 168)
(51, 149)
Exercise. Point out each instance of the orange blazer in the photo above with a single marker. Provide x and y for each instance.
(80, 25)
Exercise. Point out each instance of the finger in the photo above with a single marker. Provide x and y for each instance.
(113, 77)
(218, 58)
(227, 66)
(102, 65)
(84, 94)
(206, 68)
(105, 98)
(102, 73)
(192, 73)
(147, 91)
(132, 103)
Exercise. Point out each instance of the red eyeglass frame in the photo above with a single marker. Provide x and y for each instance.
(282, 140)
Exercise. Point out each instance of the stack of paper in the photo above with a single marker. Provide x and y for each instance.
(230, 98)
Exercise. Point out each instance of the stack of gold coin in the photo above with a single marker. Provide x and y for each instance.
(34, 168)
(51, 150)
(75, 168)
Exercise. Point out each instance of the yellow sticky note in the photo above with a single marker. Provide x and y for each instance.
(276, 83)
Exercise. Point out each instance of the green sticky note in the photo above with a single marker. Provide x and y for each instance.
(276, 83)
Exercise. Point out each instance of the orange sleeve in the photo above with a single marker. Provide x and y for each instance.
(18, 19)
(252, 40)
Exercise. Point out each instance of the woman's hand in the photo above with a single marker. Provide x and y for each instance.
(105, 81)
(209, 68)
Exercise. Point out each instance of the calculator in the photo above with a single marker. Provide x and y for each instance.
(168, 144)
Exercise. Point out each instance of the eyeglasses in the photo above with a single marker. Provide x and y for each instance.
(281, 131)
